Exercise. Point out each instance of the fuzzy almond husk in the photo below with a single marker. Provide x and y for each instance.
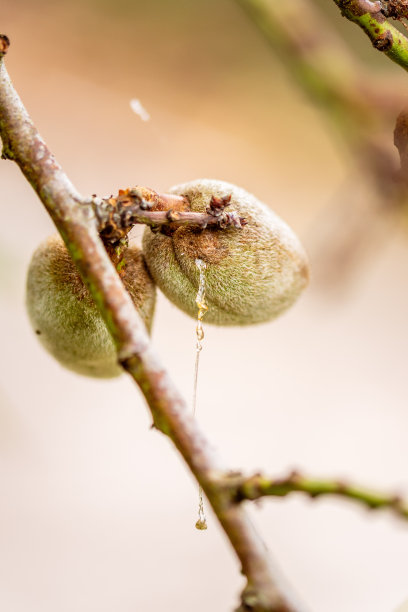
(63, 313)
(253, 274)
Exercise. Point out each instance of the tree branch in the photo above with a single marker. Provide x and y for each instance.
(75, 219)
(257, 486)
(384, 36)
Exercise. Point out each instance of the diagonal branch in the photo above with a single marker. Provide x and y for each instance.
(77, 223)
(384, 36)
(257, 486)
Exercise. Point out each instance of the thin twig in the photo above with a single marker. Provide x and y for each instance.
(257, 486)
(164, 212)
(76, 221)
(383, 35)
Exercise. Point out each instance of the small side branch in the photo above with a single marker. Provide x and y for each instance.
(162, 212)
(384, 36)
(257, 486)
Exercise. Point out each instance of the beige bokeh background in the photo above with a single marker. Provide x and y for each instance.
(97, 511)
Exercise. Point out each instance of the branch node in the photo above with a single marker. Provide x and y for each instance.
(383, 42)
(172, 215)
(395, 9)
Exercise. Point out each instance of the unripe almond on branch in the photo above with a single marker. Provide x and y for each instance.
(64, 315)
(252, 275)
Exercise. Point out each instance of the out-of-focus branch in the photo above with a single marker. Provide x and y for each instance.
(317, 57)
(75, 219)
(358, 105)
(361, 107)
(257, 486)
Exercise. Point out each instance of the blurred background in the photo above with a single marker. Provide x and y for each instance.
(97, 511)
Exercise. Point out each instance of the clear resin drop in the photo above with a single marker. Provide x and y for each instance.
(202, 308)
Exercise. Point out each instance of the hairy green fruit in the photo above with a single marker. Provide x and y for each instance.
(63, 313)
(253, 274)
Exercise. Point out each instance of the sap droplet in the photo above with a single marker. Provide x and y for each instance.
(201, 524)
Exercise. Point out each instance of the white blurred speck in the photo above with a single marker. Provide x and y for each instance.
(138, 108)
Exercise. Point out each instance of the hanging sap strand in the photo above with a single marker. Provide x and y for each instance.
(202, 309)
